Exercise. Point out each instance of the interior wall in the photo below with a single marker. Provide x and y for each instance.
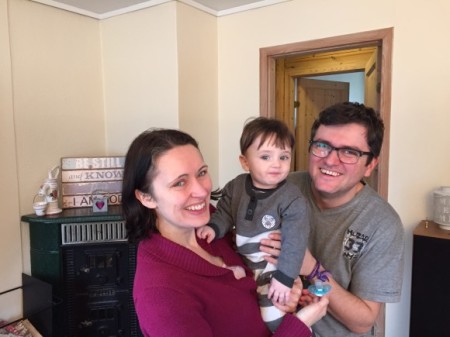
(57, 85)
(51, 107)
(10, 251)
(139, 52)
(150, 58)
(419, 115)
(197, 57)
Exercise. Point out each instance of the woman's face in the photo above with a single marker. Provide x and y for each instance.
(181, 189)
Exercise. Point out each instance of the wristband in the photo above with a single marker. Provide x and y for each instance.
(321, 275)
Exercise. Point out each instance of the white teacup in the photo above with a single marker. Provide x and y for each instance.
(39, 207)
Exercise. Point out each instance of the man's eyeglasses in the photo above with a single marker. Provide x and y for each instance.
(345, 154)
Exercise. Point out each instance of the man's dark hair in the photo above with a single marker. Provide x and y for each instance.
(347, 113)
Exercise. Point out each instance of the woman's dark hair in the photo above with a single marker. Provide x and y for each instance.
(347, 113)
(266, 128)
(139, 173)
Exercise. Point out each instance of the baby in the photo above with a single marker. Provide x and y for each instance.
(261, 202)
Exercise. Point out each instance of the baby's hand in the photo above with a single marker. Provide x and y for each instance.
(206, 233)
(294, 296)
(278, 292)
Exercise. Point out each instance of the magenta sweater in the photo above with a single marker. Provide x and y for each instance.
(179, 294)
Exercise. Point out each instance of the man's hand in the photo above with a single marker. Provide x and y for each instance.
(306, 298)
(272, 246)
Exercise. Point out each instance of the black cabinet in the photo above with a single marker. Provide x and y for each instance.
(430, 287)
(37, 304)
(86, 258)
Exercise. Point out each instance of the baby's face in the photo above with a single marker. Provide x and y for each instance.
(268, 164)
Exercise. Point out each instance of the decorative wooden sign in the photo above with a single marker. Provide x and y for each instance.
(91, 175)
(73, 201)
(83, 178)
(90, 163)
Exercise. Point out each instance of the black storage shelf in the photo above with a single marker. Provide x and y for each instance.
(38, 304)
(52, 259)
(45, 239)
(430, 294)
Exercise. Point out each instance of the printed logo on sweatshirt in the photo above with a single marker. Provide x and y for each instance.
(354, 243)
(268, 221)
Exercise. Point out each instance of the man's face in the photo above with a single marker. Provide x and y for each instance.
(335, 183)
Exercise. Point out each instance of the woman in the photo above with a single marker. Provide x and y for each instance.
(184, 286)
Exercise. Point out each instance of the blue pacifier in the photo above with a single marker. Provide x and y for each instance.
(319, 289)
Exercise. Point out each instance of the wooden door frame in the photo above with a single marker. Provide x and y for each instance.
(381, 37)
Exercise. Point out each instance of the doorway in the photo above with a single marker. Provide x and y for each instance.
(299, 101)
(278, 68)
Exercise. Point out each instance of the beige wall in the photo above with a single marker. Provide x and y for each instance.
(51, 106)
(10, 251)
(197, 57)
(87, 87)
(57, 90)
(160, 70)
(140, 74)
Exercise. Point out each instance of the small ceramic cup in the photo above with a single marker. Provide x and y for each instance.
(39, 208)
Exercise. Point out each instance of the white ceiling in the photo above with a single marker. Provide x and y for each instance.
(102, 9)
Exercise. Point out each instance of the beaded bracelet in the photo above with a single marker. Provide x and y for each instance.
(321, 275)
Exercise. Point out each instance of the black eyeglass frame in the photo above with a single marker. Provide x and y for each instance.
(337, 149)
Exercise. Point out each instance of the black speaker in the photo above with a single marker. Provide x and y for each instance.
(430, 287)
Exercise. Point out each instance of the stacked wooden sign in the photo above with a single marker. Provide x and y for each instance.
(83, 178)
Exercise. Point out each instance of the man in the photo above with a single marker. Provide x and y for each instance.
(355, 234)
